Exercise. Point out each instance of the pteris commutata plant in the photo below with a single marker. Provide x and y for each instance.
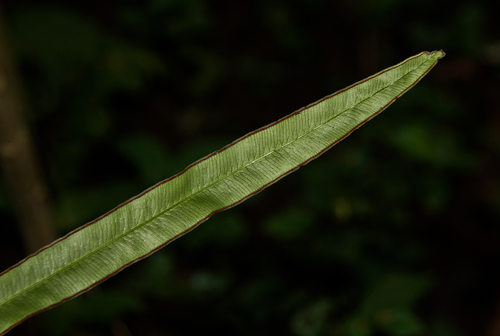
(137, 228)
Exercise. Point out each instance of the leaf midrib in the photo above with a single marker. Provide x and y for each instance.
(161, 213)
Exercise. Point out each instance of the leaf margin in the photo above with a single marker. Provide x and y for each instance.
(441, 55)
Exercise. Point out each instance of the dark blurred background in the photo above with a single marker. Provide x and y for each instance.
(394, 232)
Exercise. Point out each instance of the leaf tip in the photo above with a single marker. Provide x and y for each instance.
(440, 53)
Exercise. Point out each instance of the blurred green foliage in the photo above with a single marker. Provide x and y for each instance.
(393, 232)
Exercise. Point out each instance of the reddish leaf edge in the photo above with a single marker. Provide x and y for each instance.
(231, 205)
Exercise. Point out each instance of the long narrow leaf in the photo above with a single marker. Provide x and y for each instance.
(94, 252)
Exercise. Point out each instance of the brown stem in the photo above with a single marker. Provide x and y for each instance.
(19, 164)
(494, 326)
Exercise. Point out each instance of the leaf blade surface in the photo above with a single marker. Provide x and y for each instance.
(94, 252)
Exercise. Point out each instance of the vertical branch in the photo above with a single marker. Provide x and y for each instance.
(494, 326)
(17, 156)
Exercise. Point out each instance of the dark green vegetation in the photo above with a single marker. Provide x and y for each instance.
(394, 232)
